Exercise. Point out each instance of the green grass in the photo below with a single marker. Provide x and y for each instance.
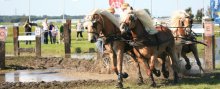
(58, 49)
(48, 49)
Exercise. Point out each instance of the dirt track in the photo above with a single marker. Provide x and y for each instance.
(76, 65)
(32, 63)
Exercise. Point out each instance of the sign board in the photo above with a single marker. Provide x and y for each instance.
(215, 10)
(3, 33)
(116, 3)
(38, 31)
(25, 38)
(209, 28)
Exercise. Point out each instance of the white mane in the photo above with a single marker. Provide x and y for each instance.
(146, 20)
(177, 15)
(109, 15)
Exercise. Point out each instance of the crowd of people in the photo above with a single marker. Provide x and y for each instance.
(51, 33)
(55, 34)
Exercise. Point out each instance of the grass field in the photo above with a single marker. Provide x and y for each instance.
(58, 49)
(49, 49)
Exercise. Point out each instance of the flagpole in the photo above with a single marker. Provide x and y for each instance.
(151, 11)
(203, 2)
(63, 9)
(29, 11)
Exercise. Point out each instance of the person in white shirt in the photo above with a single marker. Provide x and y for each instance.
(45, 28)
(79, 30)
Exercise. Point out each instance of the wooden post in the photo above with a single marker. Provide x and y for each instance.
(68, 21)
(2, 47)
(66, 41)
(209, 38)
(2, 54)
(16, 43)
(38, 42)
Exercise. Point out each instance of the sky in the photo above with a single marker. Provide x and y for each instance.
(83, 7)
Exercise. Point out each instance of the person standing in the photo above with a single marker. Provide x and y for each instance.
(27, 27)
(61, 34)
(45, 28)
(54, 32)
(79, 30)
(51, 27)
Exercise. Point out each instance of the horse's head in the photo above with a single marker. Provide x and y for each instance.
(128, 22)
(95, 27)
(181, 22)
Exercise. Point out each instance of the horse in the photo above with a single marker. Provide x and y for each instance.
(148, 42)
(104, 25)
(182, 31)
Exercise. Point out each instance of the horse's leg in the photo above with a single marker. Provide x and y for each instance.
(175, 67)
(119, 54)
(194, 50)
(152, 67)
(140, 78)
(183, 54)
(164, 70)
(113, 58)
(148, 71)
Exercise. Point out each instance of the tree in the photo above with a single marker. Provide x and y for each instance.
(189, 11)
(199, 15)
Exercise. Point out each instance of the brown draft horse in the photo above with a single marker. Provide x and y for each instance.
(104, 25)
(148, 47)
(191, 46)
(184, 37)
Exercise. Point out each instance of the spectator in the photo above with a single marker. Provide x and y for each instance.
(54, 32)
(45, 28)
(51, 27)
(27, 27)
(61, 34)
(79, 30)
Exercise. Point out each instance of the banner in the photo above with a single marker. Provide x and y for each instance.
(115, 3)
(215, 10)
(3, 33)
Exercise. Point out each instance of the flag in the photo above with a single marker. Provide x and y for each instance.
(115, 3)
(215, 10)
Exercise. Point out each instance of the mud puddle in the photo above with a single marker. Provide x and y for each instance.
(51, 74)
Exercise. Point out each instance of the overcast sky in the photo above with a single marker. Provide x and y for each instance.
(82, 7)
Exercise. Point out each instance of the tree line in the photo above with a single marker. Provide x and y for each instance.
(23, 18)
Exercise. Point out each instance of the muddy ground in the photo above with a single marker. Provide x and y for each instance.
(78, 65)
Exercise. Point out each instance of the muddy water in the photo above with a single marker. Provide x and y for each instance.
(49, 75)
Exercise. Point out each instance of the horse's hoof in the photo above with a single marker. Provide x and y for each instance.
(188, 66)
(166, 74)
(124, 75)
(153, 84)
(157, 73)
(119, 85)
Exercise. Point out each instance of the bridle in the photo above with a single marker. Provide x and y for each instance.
(95, 23)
